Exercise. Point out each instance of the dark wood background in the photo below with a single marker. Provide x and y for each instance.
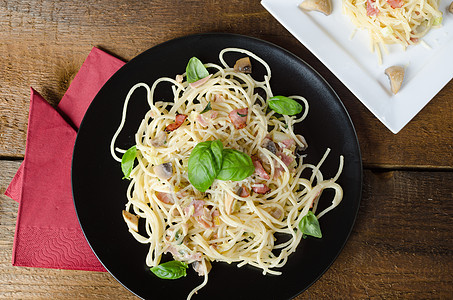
(402, 243)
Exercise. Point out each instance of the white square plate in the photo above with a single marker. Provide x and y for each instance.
(350, 59)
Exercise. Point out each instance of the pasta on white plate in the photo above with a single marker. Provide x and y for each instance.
(403, 22)
(220, 172)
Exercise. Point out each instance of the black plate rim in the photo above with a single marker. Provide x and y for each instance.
(269, 44)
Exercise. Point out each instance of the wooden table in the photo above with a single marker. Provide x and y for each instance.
(402, 243)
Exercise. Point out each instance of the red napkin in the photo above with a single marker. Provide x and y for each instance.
(48, 234)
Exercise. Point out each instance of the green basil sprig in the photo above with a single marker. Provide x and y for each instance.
(207, 108)
(170, 270)
(236, 165)
(309, 225)
(209, 161)
(127, 161)
(284, 105)
(195, 70)
(205, 162)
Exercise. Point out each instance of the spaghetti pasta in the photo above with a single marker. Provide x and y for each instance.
(232, 221)
(402, 22)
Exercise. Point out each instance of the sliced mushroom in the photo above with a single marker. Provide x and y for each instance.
(269, 145)
(242, 191)
(302, 141)
(230, 202)
(279, 137)
(243, 65)
(396, 76)
(198, 267)
(275, 212)
(324, 6)
(164, 171)
(450, 8)
(131, 220)
(159, 140)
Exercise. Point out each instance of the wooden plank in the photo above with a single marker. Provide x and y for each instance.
(400, 247)
(43, 44)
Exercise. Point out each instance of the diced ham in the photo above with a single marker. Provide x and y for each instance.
(260, 188)
(200, 82)
(201, 213)
(214, 114)
(259, 170)
(198, 208)
(288, 143)
(239, 117)
(178, 122)
(218, 98)
(165, 197)
(287, 160)
(395, 3)
(205, 222)
(202, 121)
(371, 10)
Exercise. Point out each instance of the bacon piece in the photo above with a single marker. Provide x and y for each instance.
(260, 188)
(395, 3)
(259, 170)
(371, 10)
(200, 82)
(165, 197)
(178, 122)
(239, 117)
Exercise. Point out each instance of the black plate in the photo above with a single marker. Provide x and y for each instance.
(100, 193)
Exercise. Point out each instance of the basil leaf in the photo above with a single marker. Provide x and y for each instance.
(207, 108)
(309, 225)
(195, 70)
(217, 154)
(284, 105)
(205, 162)
(127, 161)
(170, 270)
(236, 165)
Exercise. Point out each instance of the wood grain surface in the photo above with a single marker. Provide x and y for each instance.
(401, 245)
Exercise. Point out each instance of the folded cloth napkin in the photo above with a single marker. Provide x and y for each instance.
(48, 234)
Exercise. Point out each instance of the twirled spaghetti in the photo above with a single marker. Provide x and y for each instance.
(232, 221)
(402, 22)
